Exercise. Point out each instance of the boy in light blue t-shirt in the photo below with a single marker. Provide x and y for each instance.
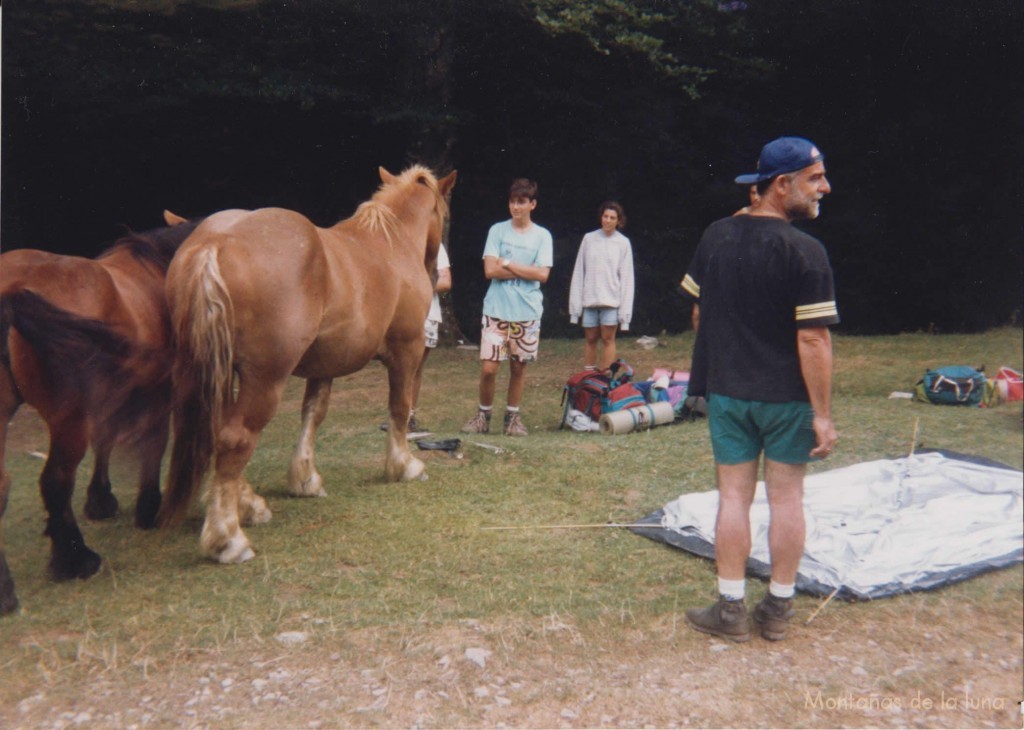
(517, 260)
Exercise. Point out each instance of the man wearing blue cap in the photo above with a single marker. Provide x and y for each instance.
(763, 302)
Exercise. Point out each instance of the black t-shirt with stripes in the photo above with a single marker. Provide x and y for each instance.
(757, 280)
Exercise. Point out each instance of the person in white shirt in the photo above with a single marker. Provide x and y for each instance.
(431, 327)
(601, 293)
(431, 330)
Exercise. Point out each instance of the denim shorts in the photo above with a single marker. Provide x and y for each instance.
(607, 316)
(742, 429)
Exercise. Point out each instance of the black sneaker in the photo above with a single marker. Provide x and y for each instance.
(773, 614)
(726, 619)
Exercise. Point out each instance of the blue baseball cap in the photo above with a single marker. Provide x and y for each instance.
(782, 155)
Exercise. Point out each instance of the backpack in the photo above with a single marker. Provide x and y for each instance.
(583, 392)
(588, 391)
(954, 385)
(620, 372)
(621, 397)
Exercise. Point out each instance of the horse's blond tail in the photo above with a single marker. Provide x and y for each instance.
(203, 377)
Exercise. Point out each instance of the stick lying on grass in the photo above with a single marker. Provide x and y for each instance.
(570, 527)
(495, 449)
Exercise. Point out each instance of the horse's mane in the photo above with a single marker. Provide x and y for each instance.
(377, 215)
(156, 246)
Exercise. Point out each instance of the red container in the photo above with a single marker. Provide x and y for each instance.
(1010, 384)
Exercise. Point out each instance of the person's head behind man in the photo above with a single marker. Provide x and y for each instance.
(790, 179)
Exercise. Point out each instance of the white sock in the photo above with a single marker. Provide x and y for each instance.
(735, 590)
(486, 409)
(781, 590)
(512, 409)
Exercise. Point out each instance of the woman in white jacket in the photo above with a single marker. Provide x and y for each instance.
(601, 294)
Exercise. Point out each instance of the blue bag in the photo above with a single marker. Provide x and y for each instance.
(954, 385)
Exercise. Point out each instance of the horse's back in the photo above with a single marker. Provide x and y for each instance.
(78, 285)
(79, 332)
(259, 237)
(271, 265)
(269, 247)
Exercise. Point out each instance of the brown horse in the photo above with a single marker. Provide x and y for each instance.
(87, 343)
(257, 296)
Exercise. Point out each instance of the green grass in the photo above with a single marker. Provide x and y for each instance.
(393, 557)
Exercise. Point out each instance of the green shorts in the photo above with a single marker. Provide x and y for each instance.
(742, 429)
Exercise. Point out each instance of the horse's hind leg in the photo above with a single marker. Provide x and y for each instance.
(252, 508)
(151, 453)
(222, 538)
(70, 557)
(303, 478)
(100, 502)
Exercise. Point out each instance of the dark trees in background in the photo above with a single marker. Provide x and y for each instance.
(114, 111)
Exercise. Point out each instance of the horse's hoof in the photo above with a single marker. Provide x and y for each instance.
(414, 469)
(8, 599)
(237, 550)
(80, 563)
(261, 516)
(146, 508)
(257, 513)
(312, 487)
(101, 507)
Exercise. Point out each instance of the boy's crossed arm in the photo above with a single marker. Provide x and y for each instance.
(495, 268)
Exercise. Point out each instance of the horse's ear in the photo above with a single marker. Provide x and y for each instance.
(385, 176)
(446, 183)
(172, 219)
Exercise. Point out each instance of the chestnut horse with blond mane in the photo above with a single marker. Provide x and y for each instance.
(257, 296)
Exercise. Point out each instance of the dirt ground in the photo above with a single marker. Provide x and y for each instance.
(552, 675)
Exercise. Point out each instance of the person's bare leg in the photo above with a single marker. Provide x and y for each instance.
(516, 382)
(736, 484)
(418, 378)
(608, 344)
(786, 535)
(787, 529)
(727, 617)
(591, 336)
(488, 377)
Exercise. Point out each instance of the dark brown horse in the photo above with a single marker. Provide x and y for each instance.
(87, 343)
(257, 296)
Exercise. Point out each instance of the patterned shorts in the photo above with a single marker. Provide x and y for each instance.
(500, 340)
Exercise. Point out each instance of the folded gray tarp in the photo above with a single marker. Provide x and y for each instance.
(878, 528)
